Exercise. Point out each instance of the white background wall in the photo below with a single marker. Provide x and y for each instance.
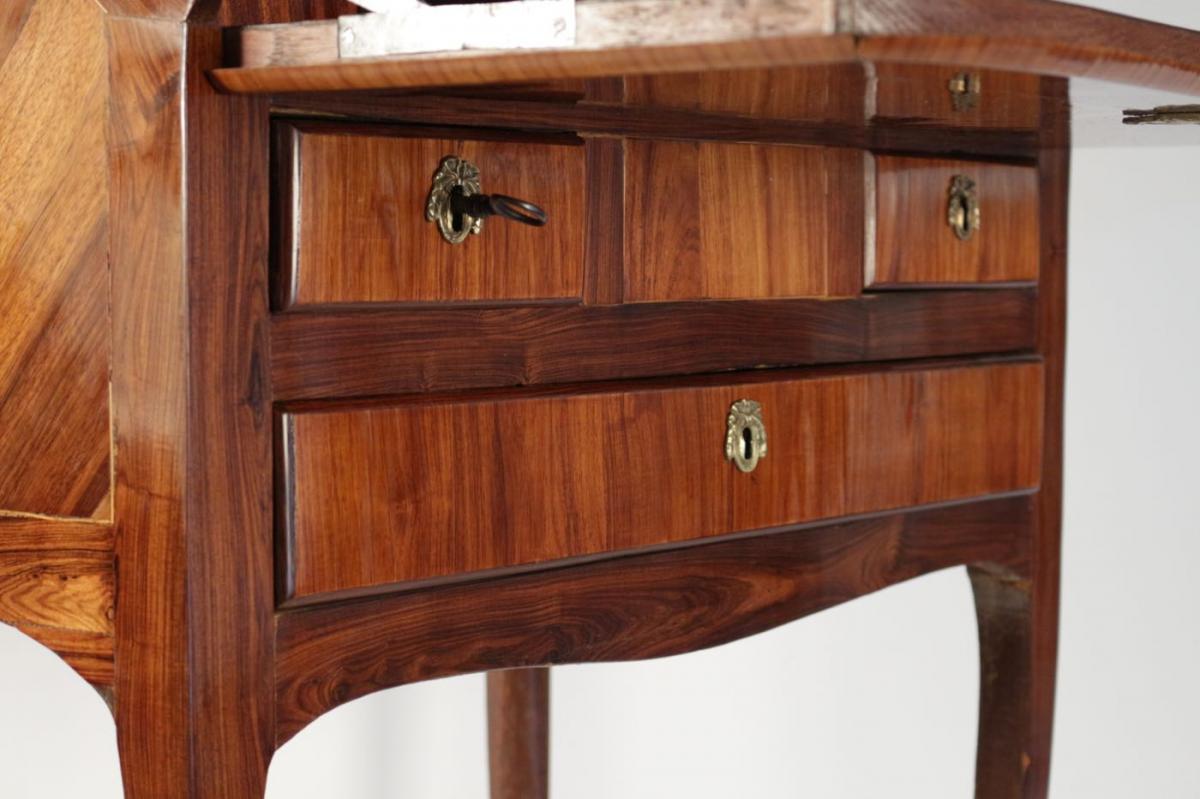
(874, 698)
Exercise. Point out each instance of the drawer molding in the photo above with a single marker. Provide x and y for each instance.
(440, 488)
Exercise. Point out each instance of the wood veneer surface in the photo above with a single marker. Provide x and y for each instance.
(915, 244)
(357, 230)
(920, 93)
(1035, 36)
(710, 220)
(435, 489)
(54, 354)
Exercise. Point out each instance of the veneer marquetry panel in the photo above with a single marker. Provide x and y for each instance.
(709, 220)
(54, 354)
(915, 245)
(436, 488)
(354, 230)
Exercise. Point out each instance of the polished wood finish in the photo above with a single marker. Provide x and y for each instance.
(659, 604)
(822, 92)
(229, 521)
(915, 244)
(149, 407)
(607, 116)
(920, 94)
(229, 12)
(57, 586)
(54, 353)
(738, 221)
(194, 611)
(519, 733)
(1017, 607)
(381, 352)
(355, 230)
(435, 489)
(1054, 179)
(1036, 36)
(166, 596)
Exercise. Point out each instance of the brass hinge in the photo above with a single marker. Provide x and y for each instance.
(1164, 115)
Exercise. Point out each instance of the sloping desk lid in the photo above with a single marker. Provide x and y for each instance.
(625, 37)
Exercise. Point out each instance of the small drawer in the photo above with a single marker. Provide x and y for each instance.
(953, 223)
(723, 221)
(352, 225)
(428, 489)
(952, 96)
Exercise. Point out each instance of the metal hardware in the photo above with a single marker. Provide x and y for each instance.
(1164, 115)
(745, 435)
(458, 205)
(963, 214)
(965, 88)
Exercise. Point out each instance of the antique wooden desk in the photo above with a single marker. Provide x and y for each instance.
(282, 426)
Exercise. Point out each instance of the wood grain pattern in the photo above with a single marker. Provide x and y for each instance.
(1017, 608)
(519, 733)
(919, 94)
(737, 221)
(64, 589)
(382, 352)
(1054, 169)
(149, 406)
(440, 488)
(54, 353)
(230, 584)
(915, 245)
(1034, 36)
(821, 92)
(359, 232)
(194, 543)
(57, 586)
(1003, 609)
(654, 605)
(229, 12)
(604, 237)
(466, 67)
(603, 115)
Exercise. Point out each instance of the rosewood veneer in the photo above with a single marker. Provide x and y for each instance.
(282, 427)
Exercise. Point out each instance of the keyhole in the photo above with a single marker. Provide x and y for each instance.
(961, 224)
(456, 217)
(747, 443)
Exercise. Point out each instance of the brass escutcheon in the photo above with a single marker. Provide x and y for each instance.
(745, 435)
(963, 214)
(965, 89)
(453, 174)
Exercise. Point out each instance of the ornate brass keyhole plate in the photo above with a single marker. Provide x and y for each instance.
(964, 214)
(965, 89)
(454, 175)
(745, 435)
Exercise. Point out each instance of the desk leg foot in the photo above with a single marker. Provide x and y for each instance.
(1008, 761)
(519, 733)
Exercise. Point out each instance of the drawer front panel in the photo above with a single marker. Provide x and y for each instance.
(948, 95)
(827, 92)
(432, 489)
(916, 245)
(353, 226)
(741, 221)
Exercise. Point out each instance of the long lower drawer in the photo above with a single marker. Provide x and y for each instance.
(377, 496)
